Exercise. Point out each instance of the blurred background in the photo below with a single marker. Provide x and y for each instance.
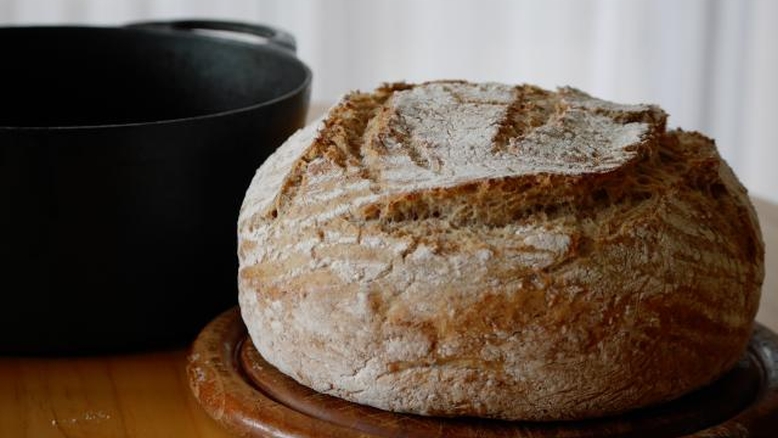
(711, 64)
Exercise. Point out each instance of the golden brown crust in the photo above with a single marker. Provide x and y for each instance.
(478, 249)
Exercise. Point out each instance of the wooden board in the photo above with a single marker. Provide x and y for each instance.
(250, 397)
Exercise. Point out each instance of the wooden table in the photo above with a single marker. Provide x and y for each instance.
(123, 396)
(147, 395)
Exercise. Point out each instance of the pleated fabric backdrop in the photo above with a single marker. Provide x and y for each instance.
(712, 64)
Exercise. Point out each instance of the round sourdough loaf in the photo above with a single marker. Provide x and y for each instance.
(451, 248)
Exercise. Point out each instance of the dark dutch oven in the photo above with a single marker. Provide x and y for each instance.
(124, 157)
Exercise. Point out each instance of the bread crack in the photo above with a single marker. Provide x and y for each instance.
(340, 142)
(532, 107)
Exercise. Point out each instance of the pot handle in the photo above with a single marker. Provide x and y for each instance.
(273, 36)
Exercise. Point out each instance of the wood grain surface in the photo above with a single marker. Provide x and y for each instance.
(146, 395)
(121, 396)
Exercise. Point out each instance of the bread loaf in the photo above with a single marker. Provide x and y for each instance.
(451, 248)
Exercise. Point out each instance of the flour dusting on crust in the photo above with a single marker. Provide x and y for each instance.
(450, 248)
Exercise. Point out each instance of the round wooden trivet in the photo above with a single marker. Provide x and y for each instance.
(250, 397)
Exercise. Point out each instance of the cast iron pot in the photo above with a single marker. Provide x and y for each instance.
(125, 153)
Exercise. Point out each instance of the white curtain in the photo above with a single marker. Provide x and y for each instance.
(711, 64)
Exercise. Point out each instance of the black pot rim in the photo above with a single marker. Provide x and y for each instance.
(226, 113)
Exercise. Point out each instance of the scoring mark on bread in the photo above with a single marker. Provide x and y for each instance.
(531, 108)
(408, 144)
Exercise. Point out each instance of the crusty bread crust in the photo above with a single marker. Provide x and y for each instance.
(487, 250)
